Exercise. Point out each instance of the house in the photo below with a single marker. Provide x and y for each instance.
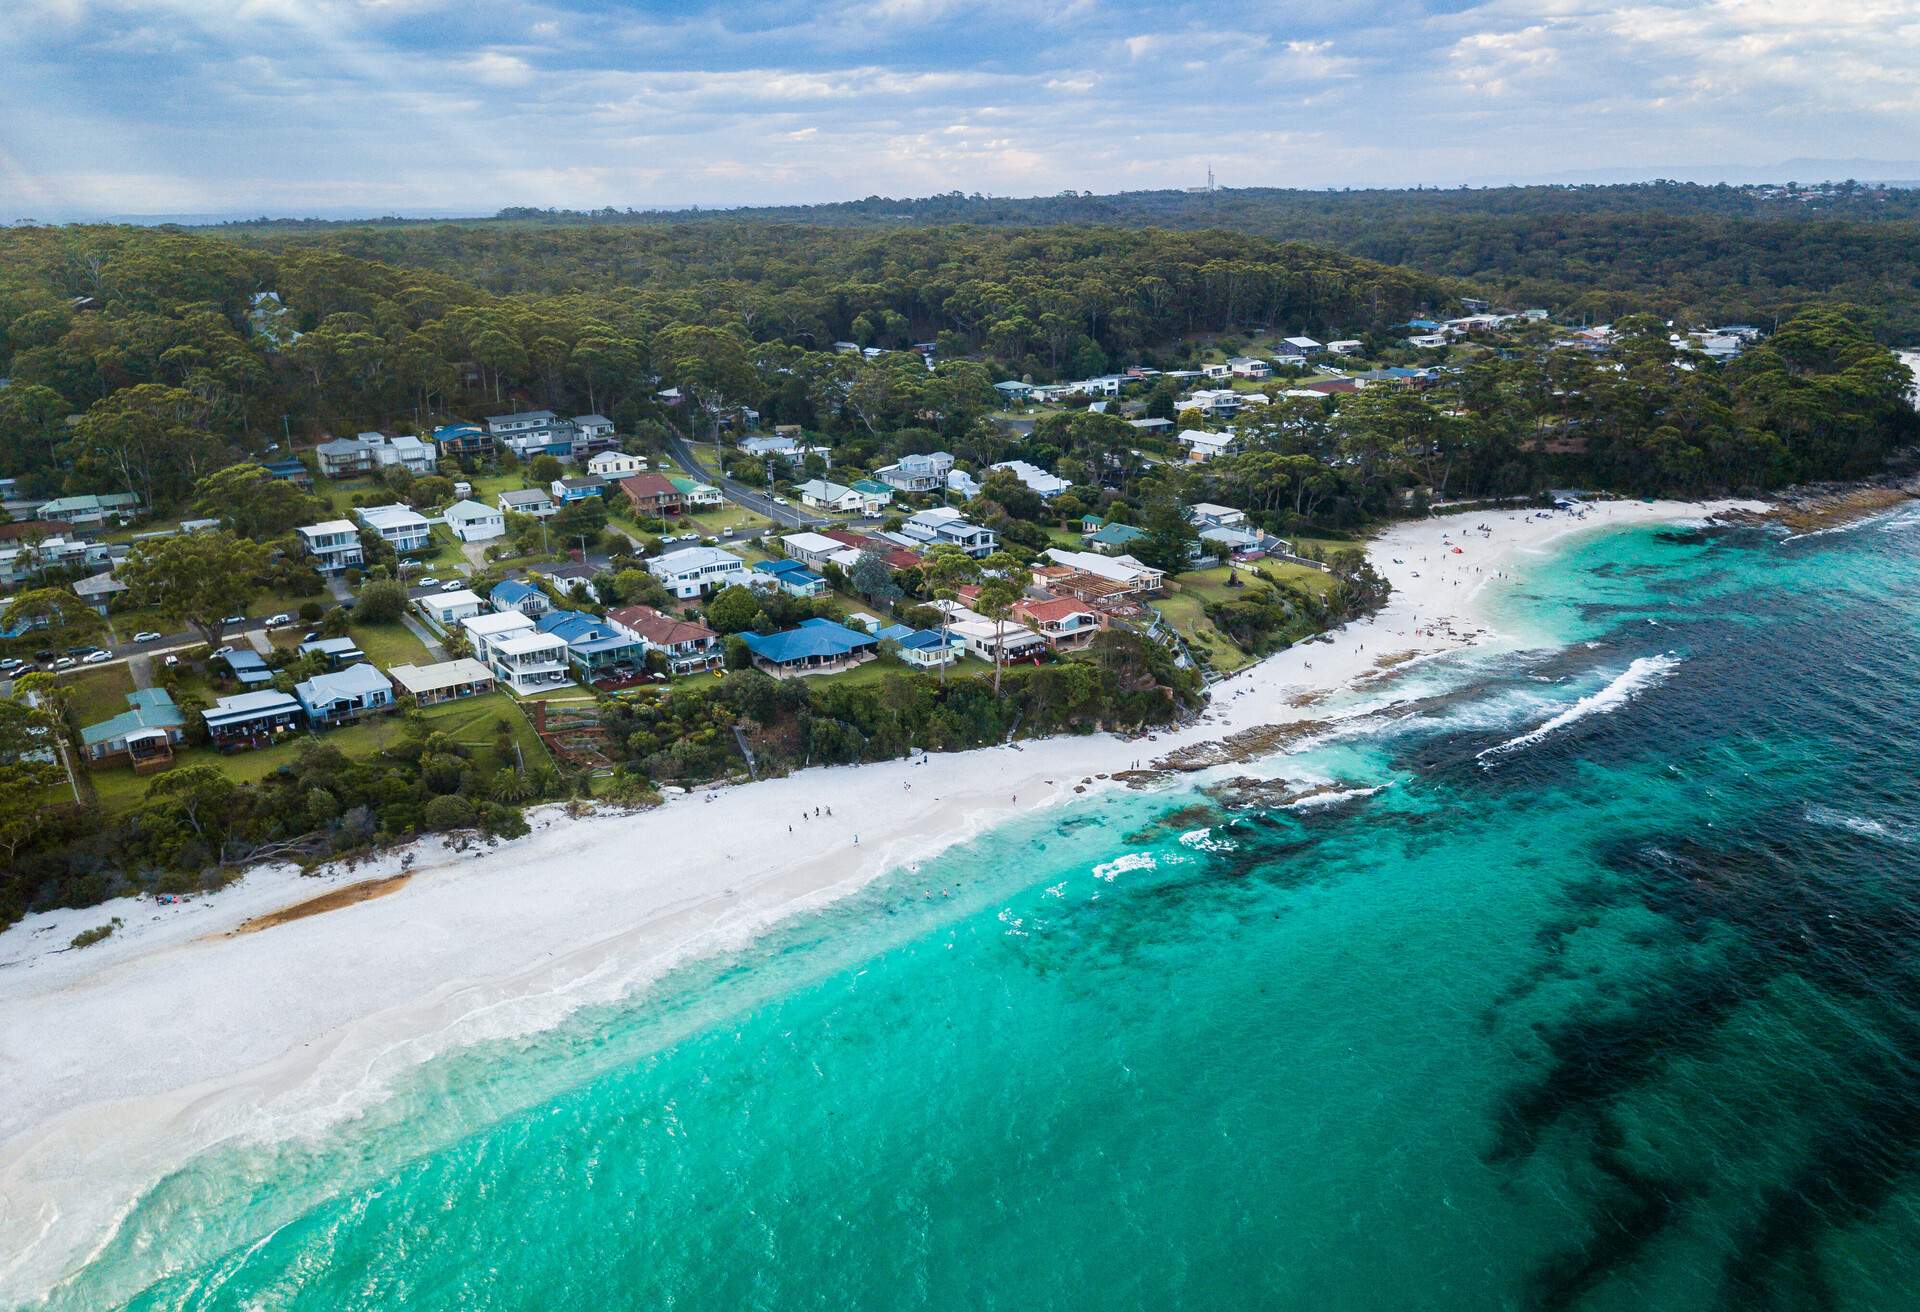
(822, 495)
(252, 719)
(247, 666)
(90, 511)
(574, 579)
(781, 445)
(1427, 341)
(927, 649)
(959, 480)
(1129, 576)
(338, 652)
(1203, 446)
(405, 451)
(531, 433)
(942, 524)
(463, 439)
(1114, 539)
(878, 495)
(484, 630)
(268, 318)
(288, 470)
(814, 549)
(688, 646)
(98, 591)
(470, 521)
(448, 608)
(534, 501)
(1347, 346)
(400, 527)
(789, 576)
(517, 595)
(343, 457)
(566, 491)
(1014, 390)
(917, 473)
(448, 681)
(856, 545)
(1206, 514)
(592, 433)
(698, 495)
(1036, 479)
(1245, 366)
(528, 661)
(698, 571)
(595, 648)
(1065, 623)
(982, 637)
(816, 646)
(615, 465)
(344, 696)
(1302, 346)
(1152, 427)
(654, 496)
(144, 735)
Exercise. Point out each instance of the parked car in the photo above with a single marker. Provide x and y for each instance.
(65, 663)
(146, 635)
(9, 662)
(275, 621)
(87, 650)
(453, 585)
(428, 582)
(234, 619)
(312, 636)
(171, 661)
(96, 658)
(43, 655)
(218, 652)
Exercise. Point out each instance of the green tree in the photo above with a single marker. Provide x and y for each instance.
(1006, 580)
(66, 619)
(383, 601)
(25, 775)
(252, 502)
(734, 609)
(945, 568)
(196, 578)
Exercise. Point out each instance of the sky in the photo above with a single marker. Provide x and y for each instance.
(291, 107)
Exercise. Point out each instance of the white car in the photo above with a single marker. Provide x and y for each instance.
(453, 585)
(274, 621)
(218, 652)
(428, 582)
(65, 663)
(171, 661)
(96, 657)
(146, 635)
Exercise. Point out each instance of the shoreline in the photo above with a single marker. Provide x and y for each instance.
(186, 1032)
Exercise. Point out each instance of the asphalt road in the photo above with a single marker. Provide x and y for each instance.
(737, 492)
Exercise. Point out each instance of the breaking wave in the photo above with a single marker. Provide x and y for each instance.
(1642, 674)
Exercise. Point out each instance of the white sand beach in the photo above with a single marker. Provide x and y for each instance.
(123, 1059)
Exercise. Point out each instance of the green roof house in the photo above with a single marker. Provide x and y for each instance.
(142, 735)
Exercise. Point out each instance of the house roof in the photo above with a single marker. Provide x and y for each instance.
(511, 592)
(525, 644)
(393, 516)
(789, 571)
(332, 647)
(811, 542)
(147, 708)
(688, 558)
(326, 528)
(641, 486)
(872, 487)
(418, 679)
(660, 629)
(354, 681)
(897, 557)
(532, 496)
(692, 486)
(577, 629)
(822, 490)
(458, 597)
(1118, 535)
(100, 585)
(814, 638)
(495, 623)
(1051, 609)
(470, 509)
(250, 705)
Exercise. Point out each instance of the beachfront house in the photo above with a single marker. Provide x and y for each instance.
(816, 646)
(400, 527)
(1093, 577)
(448, 608)
(521, 596)
(470, 521)
(789, 576)
(926, 649)
(1066, 623)
(447, 681)
(698, 571)
(252, 719)
(982, 637)
(333, 544)
(143, 736)
(595, 648)
(483, 630)
(533, 501)
(688, 647)
(344, 696)
(528, 661)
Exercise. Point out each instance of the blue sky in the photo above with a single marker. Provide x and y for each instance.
(304, 106)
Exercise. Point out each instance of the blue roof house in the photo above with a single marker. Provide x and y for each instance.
(595, 648)
(790, 576)
(925, 648)
(514, 594)
(817, 646)
(345, 696)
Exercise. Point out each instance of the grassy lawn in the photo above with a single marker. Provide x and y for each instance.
(389, 644)
(97, 693)
(710, 523)
(1183, 610)
(872, 672)
(470, 722)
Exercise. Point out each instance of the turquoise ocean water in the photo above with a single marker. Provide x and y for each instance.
(1600, 989)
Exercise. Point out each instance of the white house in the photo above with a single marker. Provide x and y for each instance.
(981, 636)
(1036, 479)
(472, 522)
(1303, 345)
(1207, 514)
(1124, 570)
(484, 629)
(1427, 341)
(334, 545)
(944, 524)
(528, 661)
(823, 495)
(615, 465)
(917, 473)
(400, 527)
(450, 608)
(533, 501)
(1348, 346)
(698, 571)
(1202, 445)
(1245, 366)
(814, 549)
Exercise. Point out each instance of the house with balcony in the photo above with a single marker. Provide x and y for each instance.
(982, 637)
(918, 473)
(580, 487)
(822, 494)
(533, 501)
(816, 646)
(654, 496)
(470, 521)
(288, 470)
(1246, 366)
(1035, 479)
(484, 630)
(464, 439)
(448, 608)
(790, 577)
(90, 511)
(689, 647)
(400, 527)
(926, 649)
(447, 681)
(343, 457)
(1067, 624)
(143, 736)
(519, 595)
(530, 433)
(698, 495)
(404, 451)
(1203, 446)
(698, 571)
(812, 549)
(333, 544)
(529, 661)
(596, 649)
(592, 433)
(252, 719)
(331, 700)
(615, 465)
(943, 524)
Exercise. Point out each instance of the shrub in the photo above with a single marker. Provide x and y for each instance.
(86, 938)
(381, 602)
(448, 813)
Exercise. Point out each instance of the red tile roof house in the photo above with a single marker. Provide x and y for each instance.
(1065, 623)
(688, 646)
(655, 495)
(897, 558)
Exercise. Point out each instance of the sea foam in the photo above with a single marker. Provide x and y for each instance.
(1640, 675)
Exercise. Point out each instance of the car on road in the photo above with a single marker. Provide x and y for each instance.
(96, 658)
(275, 621)
(781, 501)
(453, 585)
(65, 663)
(146, 635)
(43, 655)
(87, 650)
(9, 662)
(234, 619)
(428, 582)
